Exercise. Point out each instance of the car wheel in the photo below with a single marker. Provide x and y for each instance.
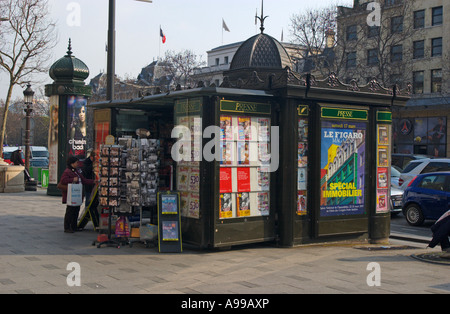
(414, 215)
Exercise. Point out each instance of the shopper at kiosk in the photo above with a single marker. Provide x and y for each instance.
(72, 175)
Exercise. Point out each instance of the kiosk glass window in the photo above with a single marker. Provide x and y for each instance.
(244, 163)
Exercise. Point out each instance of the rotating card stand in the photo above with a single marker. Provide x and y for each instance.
(110, 162)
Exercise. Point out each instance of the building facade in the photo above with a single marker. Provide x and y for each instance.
(409, 46)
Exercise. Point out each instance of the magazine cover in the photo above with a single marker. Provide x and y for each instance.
(243, 204)
(263, 179)
(263, 129)
(263, 203)
(170, 231)
(243, 179)
(244, 128)
(226, 128)
(183, 176)
(226, 153)
(243, 153)
(226, 206)
(301, 203)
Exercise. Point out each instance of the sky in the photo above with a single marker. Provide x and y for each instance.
(188, 24)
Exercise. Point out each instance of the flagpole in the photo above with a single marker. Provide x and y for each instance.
(159, 45)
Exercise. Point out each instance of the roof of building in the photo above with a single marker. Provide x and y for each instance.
(69, 69)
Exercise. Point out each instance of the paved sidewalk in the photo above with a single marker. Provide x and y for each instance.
(34, 254)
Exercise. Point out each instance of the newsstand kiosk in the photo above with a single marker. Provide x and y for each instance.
(281, 166)
(270, 155)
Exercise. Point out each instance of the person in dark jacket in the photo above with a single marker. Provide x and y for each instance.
(16, 158)
(72, 175)
(88, 173)
(441, 232)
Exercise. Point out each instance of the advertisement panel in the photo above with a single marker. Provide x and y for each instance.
(77, 125)
(343, 151)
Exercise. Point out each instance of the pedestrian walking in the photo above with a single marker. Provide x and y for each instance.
(72, 174)
(88, 173)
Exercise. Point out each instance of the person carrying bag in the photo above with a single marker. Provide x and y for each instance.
(71, 186)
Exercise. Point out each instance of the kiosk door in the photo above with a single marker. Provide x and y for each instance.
(343, 171)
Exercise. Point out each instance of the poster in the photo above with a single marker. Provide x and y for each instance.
(226, 184)
(169, 204)
(244, 128)
(343, 153)
(301, 203)
(170, 231)
(382, 178)
(226, 206)
(184, 204)
(243, 179)
(53, 140)
(302, 154)
(194, 206)
(301, 178)
(382, 201)
(243, 204)
(194, 181)
(77, 126)
(183, 176)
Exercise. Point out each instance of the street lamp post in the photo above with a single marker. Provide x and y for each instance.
(28, 94)
(111, 62)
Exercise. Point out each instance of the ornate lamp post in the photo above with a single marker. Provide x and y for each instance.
(28, 94)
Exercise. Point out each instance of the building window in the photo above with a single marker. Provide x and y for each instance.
(436, 81)
(226, 60)
(436, 47)
(373, 31)
(372, 57)
(351, 32)
(397, 24)
(392, 2)
(396, 53)
(419, 19)
(437, 16)
(419, 49)
(351, 60)
(217, 61)
(418, 82)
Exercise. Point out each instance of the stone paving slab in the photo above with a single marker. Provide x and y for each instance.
(34, 254)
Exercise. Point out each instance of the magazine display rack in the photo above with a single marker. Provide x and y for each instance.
(109, 196)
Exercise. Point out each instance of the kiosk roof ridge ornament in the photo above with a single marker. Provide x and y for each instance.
(262, 18)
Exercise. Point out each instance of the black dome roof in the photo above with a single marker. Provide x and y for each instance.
(261, 51)
(69, 68)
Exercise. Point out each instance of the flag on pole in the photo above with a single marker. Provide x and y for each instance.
(163, 37)
(224, 26)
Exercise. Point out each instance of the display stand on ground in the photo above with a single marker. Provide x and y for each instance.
(109, 186)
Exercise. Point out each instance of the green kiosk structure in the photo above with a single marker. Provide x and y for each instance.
(270, 155)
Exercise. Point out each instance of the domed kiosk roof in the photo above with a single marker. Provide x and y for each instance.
(261, 51)
(69, 68)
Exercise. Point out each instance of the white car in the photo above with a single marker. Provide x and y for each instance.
(416, 167)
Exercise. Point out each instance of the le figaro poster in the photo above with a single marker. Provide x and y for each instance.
(343, 154)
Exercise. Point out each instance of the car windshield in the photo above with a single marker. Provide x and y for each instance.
(411, 166)
(395, 172)
(40, 153)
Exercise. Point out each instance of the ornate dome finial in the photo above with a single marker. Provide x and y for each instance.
(262, 18)
(69, 48)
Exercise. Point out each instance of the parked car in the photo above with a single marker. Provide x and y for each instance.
(7, 152)
(396, 201)
(426, 197)
(39, 156)
(401, 160)
(395, 176)
(416, 167)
